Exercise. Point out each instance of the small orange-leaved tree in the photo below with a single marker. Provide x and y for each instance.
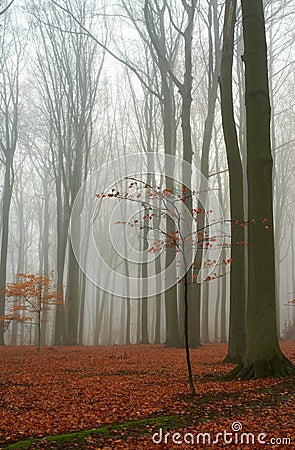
(29, 296)
(159, 203)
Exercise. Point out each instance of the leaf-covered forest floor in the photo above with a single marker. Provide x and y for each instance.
(123, 395)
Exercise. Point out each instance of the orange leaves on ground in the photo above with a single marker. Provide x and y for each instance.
(67, 389)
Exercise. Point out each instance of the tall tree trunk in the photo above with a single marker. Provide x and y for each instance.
(9, 105)
(21, 259)
(276, 181)
(81, 316)
(205, 312)
(144, 321)
(169, 124)
(293, 276)
(111, 319)
(262, 356)
(62, 227)
(45, 255)
(138, 322)
(223, 328)
(6, 202)
(100, 307)
(193, 293)
(72, 298)
(217, 310)
(122, 323)
(237, 269)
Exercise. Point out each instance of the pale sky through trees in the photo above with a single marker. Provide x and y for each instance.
(79, 107)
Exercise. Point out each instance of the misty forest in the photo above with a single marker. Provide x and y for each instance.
(147, 244)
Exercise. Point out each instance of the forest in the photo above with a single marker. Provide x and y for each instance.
(147, 247)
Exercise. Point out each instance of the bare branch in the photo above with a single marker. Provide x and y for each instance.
(105, 47)
(217, 173)
(157, 46)
(6, 8)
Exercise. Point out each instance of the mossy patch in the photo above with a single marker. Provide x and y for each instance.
(273, 396)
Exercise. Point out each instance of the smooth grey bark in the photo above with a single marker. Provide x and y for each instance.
(237, 268)
(262, 356)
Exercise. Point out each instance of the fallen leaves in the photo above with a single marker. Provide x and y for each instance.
(68, 389)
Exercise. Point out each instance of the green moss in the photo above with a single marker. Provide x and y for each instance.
(107, 431)
(276, 394)
(22, 444)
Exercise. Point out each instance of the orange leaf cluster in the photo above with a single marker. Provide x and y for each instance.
(31, 294)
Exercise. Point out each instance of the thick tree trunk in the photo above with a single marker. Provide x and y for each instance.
(262, 356)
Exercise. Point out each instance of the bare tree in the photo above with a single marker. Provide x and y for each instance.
(12, 51)
(71, 86)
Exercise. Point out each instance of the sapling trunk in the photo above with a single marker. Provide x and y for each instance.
(188, 360)
(39, 331)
